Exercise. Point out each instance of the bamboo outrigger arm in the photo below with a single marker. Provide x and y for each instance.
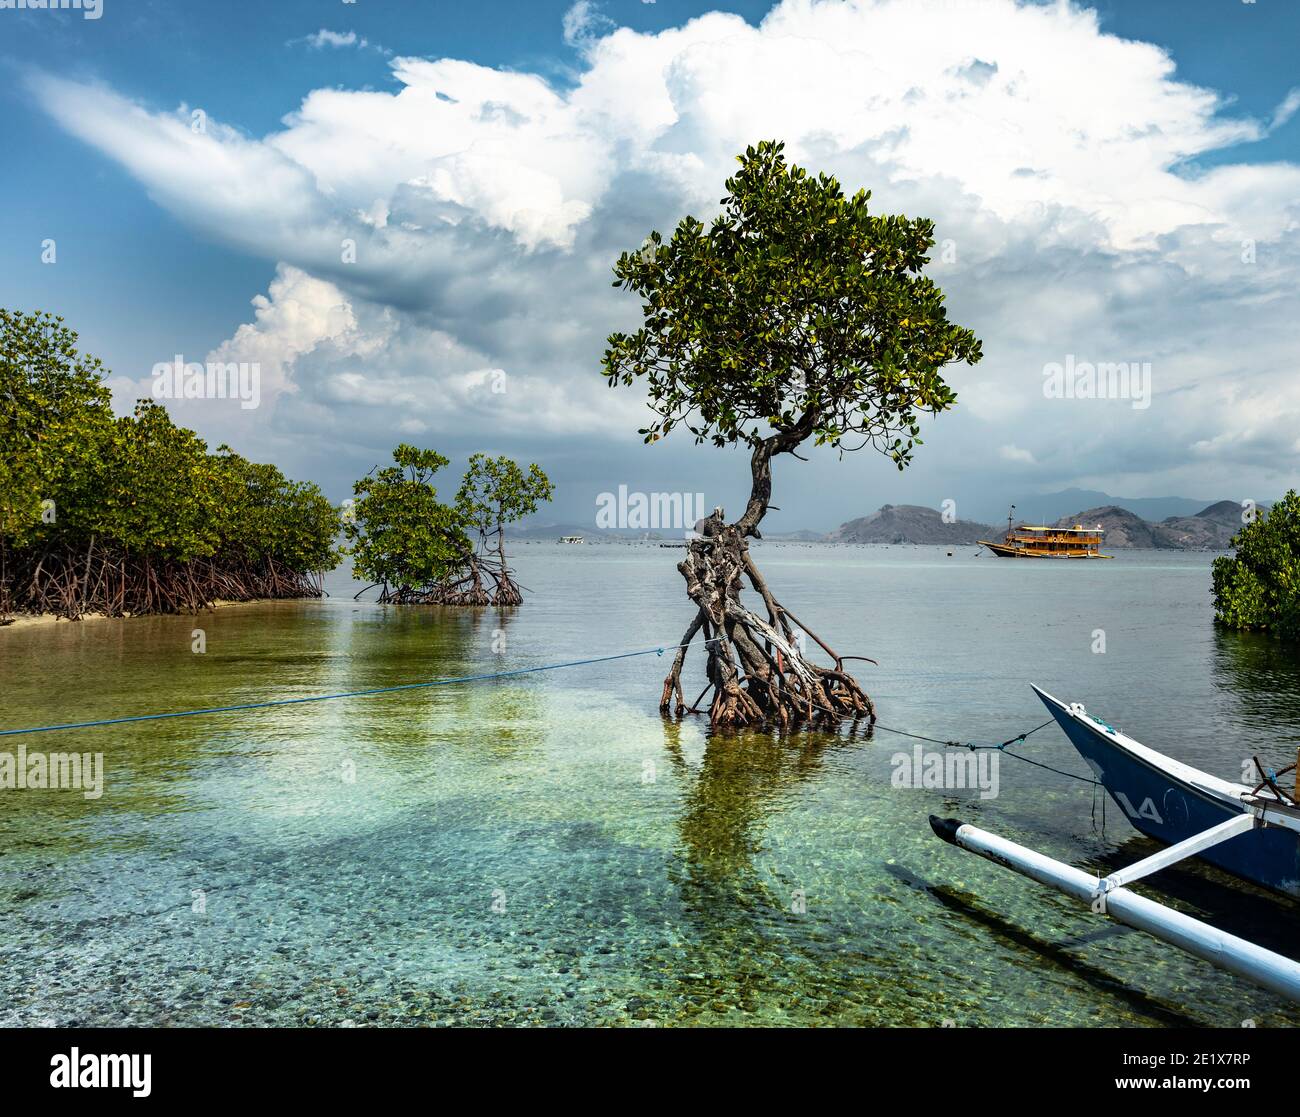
(1171, 855)
(1111, 895)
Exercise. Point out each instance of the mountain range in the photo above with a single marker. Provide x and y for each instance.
(1210, 528)
(1185, 524)
(1046, 508)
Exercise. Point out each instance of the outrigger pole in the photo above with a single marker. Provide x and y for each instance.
(1111, 895)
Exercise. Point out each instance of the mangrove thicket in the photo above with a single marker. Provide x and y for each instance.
(1258, 587)
(417, 549)
(133, 514)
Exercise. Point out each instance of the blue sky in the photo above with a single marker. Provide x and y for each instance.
(1132, 256)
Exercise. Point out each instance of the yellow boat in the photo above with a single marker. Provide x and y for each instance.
(1042, 541)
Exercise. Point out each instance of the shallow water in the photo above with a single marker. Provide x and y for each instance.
(546, 849)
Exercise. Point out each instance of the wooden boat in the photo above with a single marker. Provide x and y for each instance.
(1251, 832)
(1042, 541)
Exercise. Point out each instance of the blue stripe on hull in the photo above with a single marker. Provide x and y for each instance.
(1168, 809)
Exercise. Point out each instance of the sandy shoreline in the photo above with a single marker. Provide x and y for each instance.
(39, 620)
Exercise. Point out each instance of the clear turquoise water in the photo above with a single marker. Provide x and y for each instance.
(547, 849)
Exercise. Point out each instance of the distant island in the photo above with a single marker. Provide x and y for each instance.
(909, 523)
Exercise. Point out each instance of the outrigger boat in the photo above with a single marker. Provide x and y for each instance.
(1251, 832)
(1043, 541)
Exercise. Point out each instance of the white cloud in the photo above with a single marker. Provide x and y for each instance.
(297, 314)
(1013, 453)
(336, 39)
(1287, 109)
(324, 39)
(352, 371)
(583, 21)
(487, 206)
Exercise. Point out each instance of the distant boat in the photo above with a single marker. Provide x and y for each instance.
(1043, 541)
(571, 539)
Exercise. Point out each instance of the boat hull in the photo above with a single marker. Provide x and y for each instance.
(1171, 801)
(1003, 551)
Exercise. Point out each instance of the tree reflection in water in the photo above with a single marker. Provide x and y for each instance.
(747, 935)
(1259, 678)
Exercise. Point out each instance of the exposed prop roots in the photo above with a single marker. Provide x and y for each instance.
(756, 668)
(485, 580)
(71, 584)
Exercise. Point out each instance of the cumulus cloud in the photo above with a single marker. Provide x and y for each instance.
(343, 355)
(583, 21)
(484, 207)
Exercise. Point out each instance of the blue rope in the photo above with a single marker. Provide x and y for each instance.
(342, 694)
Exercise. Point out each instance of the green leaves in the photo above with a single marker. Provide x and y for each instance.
(54, 412)
(796, 310)
(404, 537)
(264, 516)
(496, 492)
(138, 484)
(1259, 586)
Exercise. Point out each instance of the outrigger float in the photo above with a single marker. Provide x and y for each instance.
(1253, 833)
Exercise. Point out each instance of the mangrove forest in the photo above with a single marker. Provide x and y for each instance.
(132, 514)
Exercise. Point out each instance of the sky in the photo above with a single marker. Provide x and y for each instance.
(405, 214)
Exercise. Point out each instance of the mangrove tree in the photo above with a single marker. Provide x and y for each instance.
(419, 550)
(797, 316)
(1258, 587)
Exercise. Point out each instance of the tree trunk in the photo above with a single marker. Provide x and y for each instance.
(756, 668)
(507, 592)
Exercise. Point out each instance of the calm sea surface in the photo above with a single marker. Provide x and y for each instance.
(547, 849)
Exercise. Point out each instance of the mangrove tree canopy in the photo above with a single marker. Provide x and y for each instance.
(404, 539)
(1259, 586)
(495, 492)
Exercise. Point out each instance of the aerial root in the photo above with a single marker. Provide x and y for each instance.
(756, 668)
(71, 584)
